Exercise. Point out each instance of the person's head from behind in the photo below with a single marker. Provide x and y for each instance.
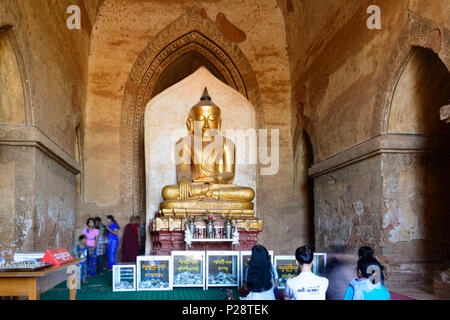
(90, 223)
(304, 256)
(259, 273)
(365, 252)
(82, 240)
(367, 266)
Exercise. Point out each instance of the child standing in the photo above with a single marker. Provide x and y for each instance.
(81, 251)
(101, 244)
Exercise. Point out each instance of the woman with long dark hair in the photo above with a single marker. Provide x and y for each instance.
(260, 275)
(113, 240)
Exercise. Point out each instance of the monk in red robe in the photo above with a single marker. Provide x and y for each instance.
(131, 241)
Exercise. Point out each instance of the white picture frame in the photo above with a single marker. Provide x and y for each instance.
(320, 262)
(242, 255)
(181, 270)
(150, 264)
(292, 261)
(120, 278)
(210, 262)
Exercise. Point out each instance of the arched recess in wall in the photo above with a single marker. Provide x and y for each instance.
(15, 106)
(408, 100)
(417, 33)
(303, 183)
(189, 41)
(423, 207)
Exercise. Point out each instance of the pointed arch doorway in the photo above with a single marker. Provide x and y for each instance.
(187, 43)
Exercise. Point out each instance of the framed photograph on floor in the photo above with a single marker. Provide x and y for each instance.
(188, 268)
(222, 269)
(154, 273)
(286, 267)
(124, 277)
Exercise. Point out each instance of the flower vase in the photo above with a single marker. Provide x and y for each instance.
(228, 229)
(210, 230)
(192, 228)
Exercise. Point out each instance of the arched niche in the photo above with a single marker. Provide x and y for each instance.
(423, 87)
(14, 93)
(191, 36)
(165, 124)
(416, 180)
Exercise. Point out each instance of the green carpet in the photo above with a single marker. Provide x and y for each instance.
(100, 288)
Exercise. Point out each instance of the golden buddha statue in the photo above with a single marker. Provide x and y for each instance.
(206, 166)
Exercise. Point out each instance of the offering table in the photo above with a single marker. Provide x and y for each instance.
(32, 284)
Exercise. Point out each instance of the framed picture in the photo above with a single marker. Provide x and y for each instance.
(222, 269)
(154, 273)
(243, 263)
(124, 277)
(320, 263)
(188, 268)
(286, 267)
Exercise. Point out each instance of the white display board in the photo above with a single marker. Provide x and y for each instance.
(222, 269)
(124, 277)
(154, 273)
(243, 263)
(320, 263)
(188, 268)
(286, 267)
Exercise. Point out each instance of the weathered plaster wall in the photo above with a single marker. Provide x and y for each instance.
(337, 63)
(415, 236)
(348, 205)
(37, 139)
(344, 78)
(121, 32)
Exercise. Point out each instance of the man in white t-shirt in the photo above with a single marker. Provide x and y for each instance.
(306, 286)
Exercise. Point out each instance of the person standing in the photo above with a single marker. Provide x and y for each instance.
(307, 285)
(91, 234)
(101, 245)
(113, 240)
(130, 241)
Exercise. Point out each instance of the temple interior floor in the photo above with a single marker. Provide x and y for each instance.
(417, 290)
(100, 288)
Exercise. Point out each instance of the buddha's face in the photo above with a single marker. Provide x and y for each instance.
(204, 118)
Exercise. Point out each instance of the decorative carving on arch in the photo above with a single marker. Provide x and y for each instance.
(192, 31)
(417, 33)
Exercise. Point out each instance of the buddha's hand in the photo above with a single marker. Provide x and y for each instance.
(184, 189)
(204, 179)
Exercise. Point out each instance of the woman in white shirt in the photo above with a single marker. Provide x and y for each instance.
(261, 276)
(306, 286)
